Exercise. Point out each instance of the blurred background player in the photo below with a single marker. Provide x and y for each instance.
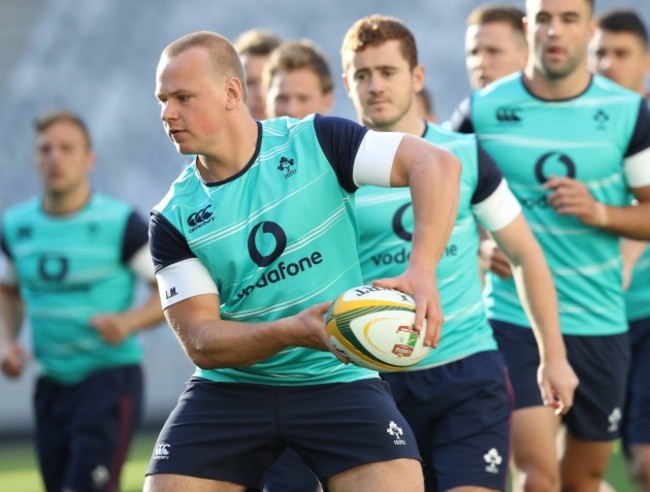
(620, 52)
(495, 43)
(254, 48)
(71, 258)
(572, 146)
(495, 46)
(297, 81)
(457, 399)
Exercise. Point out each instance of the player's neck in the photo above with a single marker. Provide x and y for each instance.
(66, 203)
(233, 151)
(567, 87)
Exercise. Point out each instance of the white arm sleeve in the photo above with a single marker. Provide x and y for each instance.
(142, 265)
(7, 271)
(497, 210)
(637, 169)
(374, 159)
(182, 280)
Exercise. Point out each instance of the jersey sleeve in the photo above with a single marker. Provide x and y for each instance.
(340, 140)
(493, 203)
(636, 164)
(179, 272)
(461, 120)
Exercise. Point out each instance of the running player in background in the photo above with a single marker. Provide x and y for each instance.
(297, 81)
(572, 146)
(70, 258)
(254, 48)
(620, 53)
(457, 399)
(251, 318)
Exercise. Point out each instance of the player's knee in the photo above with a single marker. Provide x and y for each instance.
(542, 481)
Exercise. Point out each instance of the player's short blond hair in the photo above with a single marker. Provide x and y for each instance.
(257, 42)
(45, 120)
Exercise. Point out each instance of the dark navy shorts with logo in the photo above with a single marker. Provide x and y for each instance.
(234, 432)
(83, 430)
(460, 413)
(636, 418)
(601, 364)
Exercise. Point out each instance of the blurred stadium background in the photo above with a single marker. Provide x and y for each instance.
(98, 58)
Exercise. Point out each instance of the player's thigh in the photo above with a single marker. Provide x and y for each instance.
(183, 483)
(387, 476)
(584, 463)
(533, 442)
(337, 427)
(636, 417)
(107, 407)
(221, 432)
(471, 437)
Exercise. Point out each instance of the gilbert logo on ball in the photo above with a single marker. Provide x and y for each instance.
(374, 327)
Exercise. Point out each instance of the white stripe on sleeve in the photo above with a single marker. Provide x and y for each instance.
(497, 210)
(637, 169)
(374, 159)
(142, 265)
(182, 280)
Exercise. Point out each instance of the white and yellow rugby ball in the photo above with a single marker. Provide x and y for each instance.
(374, 327)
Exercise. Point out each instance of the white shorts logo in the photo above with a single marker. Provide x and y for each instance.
(614, 419)
(493, 460)
(396, 431)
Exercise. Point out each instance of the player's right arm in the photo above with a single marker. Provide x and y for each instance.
(499, 213)
(11, 317)
(191, 303)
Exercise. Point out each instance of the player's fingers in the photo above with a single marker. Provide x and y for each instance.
(433, 325)
(322, 308)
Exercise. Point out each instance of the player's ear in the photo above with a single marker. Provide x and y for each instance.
(328, 102)
(346, 82)
(234, 93)
(418, 78)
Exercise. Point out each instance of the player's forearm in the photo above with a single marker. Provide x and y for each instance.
(537, 294)
(434, 190)
(146, 315)
(11, 314)
(216, 344)
(631, 222)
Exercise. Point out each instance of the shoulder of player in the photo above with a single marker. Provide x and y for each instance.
(506, 86)
(23, 210)
(462, 145)
(181, 189)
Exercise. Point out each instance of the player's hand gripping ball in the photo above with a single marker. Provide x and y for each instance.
(374, 327)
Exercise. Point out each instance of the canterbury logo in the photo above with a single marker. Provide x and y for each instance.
(199, 217)
(509, 115)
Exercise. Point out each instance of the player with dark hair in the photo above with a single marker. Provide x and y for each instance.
(572, 145)
(620, 52)
(251, 318)
(457, 399)
(70, 259)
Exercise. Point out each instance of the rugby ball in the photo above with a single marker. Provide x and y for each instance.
(374, 328)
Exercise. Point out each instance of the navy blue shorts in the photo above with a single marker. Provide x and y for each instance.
(234, 432)
(601, 364)
(636, 418)
(83, 430)
(519, 349)
(290, 474)
(460, 413)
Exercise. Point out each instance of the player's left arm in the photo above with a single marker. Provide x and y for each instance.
(571, 197)
(364, 157)
(115, 327)
(433, 176)
(499, 213)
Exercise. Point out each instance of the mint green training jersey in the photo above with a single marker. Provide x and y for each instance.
(601, 138)
(385, 219)
(70, 268)
(276, 238)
